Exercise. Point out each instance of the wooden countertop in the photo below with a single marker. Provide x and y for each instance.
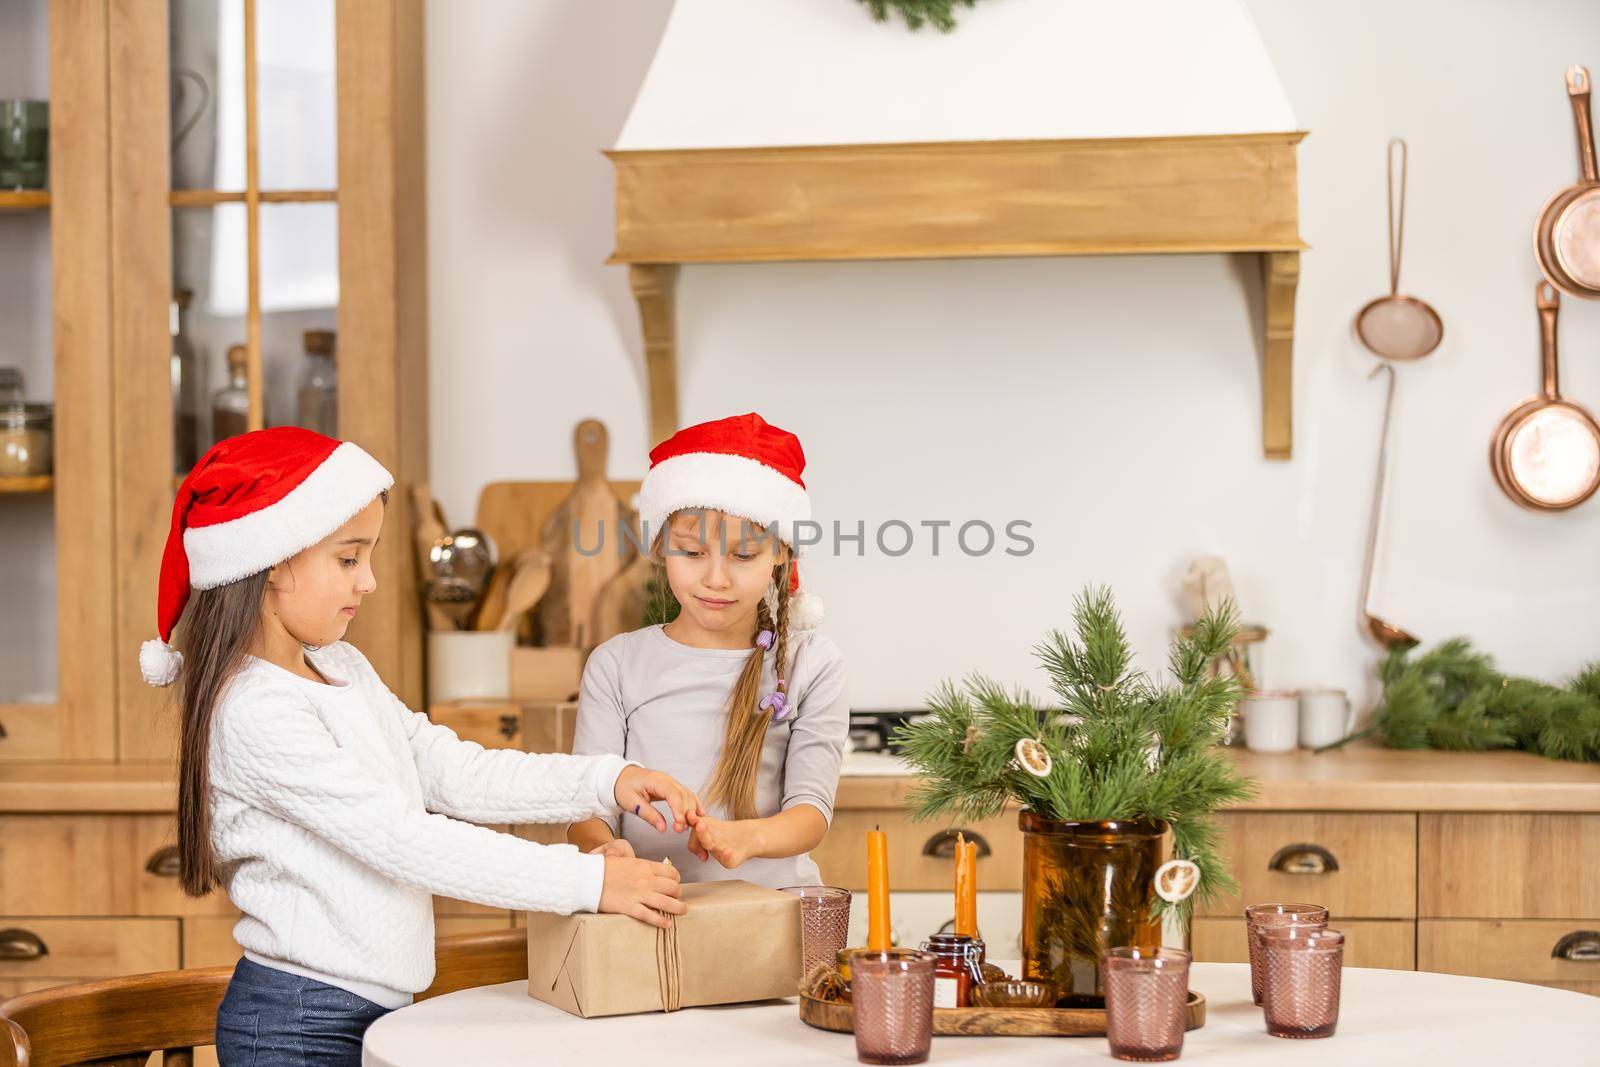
(1366, 777)
(1358, 778)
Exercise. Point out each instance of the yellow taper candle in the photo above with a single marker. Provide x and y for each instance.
(966, 886)
(877, 890)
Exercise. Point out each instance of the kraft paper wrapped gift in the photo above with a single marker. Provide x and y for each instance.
(737, 942)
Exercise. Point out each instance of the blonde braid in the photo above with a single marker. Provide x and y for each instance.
(733, 780)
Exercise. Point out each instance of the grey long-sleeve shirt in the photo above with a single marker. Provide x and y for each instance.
(653, 699)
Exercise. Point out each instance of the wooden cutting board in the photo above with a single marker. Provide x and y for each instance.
(519, 515)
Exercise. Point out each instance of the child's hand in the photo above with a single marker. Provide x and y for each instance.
(642, 889)
(617, 846)
(730, 841)
(638, 786)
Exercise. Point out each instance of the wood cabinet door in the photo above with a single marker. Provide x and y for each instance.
(1505, 865)
(1356, 865)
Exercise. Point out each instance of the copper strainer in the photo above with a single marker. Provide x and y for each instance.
(1397, 326)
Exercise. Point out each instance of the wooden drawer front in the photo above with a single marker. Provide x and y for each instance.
(95, 865)
(532, 726)
(492, 725)
(1507, 866)
(459, 925)
(842, 856)
(1387, 943)
(93, 948)
(450, 908)
(1375, 854)
(1517, 949)
(208, 942)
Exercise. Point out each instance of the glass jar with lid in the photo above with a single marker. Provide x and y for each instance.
(955, 970)
(26, 443)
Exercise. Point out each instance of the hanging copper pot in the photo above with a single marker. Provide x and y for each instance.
(1566, 237)
(1545, 454)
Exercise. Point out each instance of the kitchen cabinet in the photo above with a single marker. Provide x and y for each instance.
(1466, 863)
(119, 204)
(1463, 863)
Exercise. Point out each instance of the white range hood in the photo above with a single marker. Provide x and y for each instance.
(772, 130)
(749, 73)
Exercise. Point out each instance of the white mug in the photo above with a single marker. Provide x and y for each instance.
(1326, 716)
(1272, 720)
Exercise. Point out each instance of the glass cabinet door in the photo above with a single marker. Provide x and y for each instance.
(255, 293)
(28, 663)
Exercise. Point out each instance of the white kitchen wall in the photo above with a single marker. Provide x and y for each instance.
(1113, 402)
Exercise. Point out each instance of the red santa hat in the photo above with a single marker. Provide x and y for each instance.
(251, 502)
(743, 466)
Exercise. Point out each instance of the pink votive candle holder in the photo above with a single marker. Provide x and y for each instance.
(1258, 917)
(1303, 968)
(1147, 1001)
(891, 996)
(824, 922)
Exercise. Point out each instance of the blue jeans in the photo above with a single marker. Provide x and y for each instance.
(271, 1018)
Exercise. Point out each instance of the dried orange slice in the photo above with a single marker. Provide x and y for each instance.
(1033, 757)
(1176, 880)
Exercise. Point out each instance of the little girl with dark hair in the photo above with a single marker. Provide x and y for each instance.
(329, 811)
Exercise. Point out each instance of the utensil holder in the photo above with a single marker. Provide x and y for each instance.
(469, 665)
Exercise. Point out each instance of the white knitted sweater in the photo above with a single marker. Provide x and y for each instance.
(336, 814)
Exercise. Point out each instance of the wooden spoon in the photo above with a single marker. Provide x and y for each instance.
(528, 583)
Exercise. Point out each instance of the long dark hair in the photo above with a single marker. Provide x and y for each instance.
(217, 629)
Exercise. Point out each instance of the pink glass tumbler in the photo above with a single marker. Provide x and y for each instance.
(891, 997)
(824, 922)
(1147, 1002)
(1259, 917)
(1303, 968)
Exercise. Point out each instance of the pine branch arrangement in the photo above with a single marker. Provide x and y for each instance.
(1121, 744)
(1453, 697)
(918, 13)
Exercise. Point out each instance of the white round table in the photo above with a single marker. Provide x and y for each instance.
(1385, 1017)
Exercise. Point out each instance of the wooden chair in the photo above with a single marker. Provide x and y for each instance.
(119, 1022)
(116, 1022)
(467, 961)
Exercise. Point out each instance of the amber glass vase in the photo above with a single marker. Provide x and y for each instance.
(1086, 887)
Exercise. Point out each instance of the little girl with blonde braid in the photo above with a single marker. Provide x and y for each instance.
(739, 696)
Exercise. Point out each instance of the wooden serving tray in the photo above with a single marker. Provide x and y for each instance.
(994, 1022)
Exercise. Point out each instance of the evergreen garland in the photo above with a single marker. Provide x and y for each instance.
(1121, 744)
(1452, 697)
(917, 13)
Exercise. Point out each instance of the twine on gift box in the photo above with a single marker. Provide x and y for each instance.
(669, 965)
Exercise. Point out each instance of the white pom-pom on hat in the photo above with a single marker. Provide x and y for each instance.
(159, 662)
(805, 611)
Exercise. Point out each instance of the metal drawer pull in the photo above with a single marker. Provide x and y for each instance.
(943, 844)
(163, 862)
(1303, 859)
(509, 725)
(1580, 946)
(17, 944)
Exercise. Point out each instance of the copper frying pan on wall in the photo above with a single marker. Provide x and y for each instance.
(1566, 239)
(1545, 454)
